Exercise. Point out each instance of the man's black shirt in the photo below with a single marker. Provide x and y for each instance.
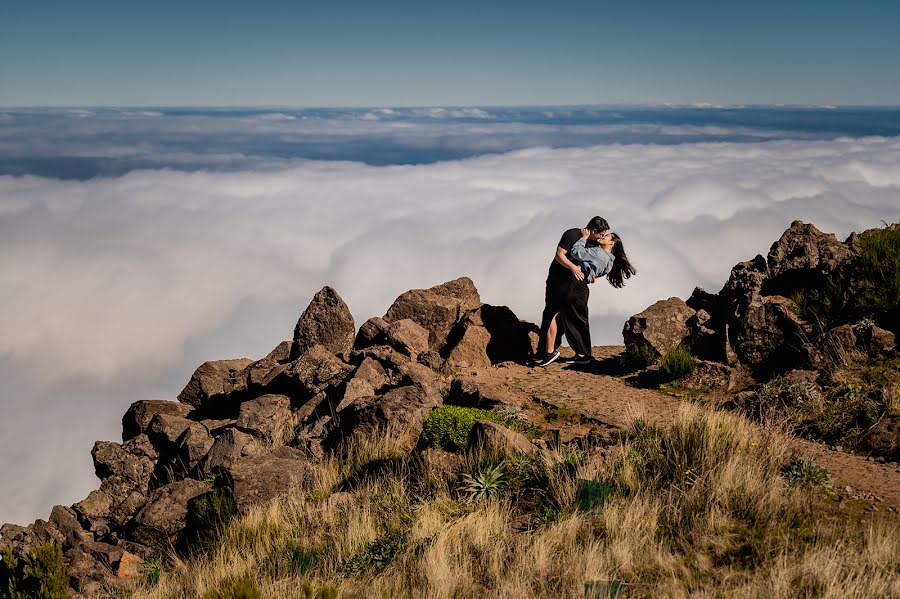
(559, 274)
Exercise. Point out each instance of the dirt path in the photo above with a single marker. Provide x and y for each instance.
(579, 399)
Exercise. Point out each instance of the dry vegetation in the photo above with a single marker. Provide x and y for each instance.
(701, 510)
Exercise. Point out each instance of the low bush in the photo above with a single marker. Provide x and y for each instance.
(824, 305)
(678, 362)
(210, 514)
(879, 274)
(242, 588)
(41, 575)
(448, 427)
(638, 356)
(805, 472)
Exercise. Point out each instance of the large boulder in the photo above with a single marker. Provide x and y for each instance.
(133, 462)
(164, 431)
(436, 309)
(268, 417)
(215, 379)
(401, 411)
(326, 321)
(262, 478)
(494, 438)
(372, 332)
(489, 335)
(407, 337)
(770, 336)
(803, 248)
(138, 417)
(317, 370)
(163, 519)
(229, 447)
(662, 326)
(257, 373)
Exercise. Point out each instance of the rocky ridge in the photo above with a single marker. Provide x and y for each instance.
(251, 427)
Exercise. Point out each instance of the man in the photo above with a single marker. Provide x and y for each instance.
(566, 299)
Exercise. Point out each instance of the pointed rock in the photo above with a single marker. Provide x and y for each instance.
(215, 379)
(326, 321)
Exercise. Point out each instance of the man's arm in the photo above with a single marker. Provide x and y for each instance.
(563, 259)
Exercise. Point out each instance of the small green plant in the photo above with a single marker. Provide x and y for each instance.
(509, 413)
(638, 356)
(484, 483)
(678, 362)
(591, 494)
(803, 472)
(153, 568)
(326, 591)
(242, 588)
(376, 556)
(863, 326)
(879, 274)
(41, 575)
(210, 513)
(448, 427)
(822, 306)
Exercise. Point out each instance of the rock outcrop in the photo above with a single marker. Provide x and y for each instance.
(249, 428)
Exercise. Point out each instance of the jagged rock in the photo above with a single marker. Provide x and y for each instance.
(130, 566)
(138, 417)
(315, 371)
(710, 376)
(214, 379)
(366, 380)
(193, 444)
(436, 309)
(162, 520)
(216, 427)
(326, 321)
(257, 373)
(110, 506)
(770, 334)
(470, 351)
(228, 448)
(164, 431)
(490, 335)
(804, 248)
(884, 438)
(259, 479)
(662, 326)
(112, 459)
(66, 522)
(407, 337)
(268, 417)
(492, 437)
(87, 576)
(706, 341)
(372, 332)
(403, 410)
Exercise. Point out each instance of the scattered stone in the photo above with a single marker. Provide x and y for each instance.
(662, 326)
(138, 417)
(268, 417)
(163, 519)
(214, 379)
(492, 437)
(260, 479)
(436, 309)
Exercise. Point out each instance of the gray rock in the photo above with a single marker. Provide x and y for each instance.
(402, 411)
(326, 321)
(111, 459)
(257, 373)
(164, 431)
(372, 332)
(228, 448)
(804, 248)
(407, 337)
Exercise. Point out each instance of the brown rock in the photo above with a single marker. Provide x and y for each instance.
(112, 459)
(402, 410)
(260, 371)
(162, 520)
(315, 371)
(268, 417)
(442, 463)
(471, 349)
(436, 309)
(326, 321)
(138, 417)
(228, 448)
(833, 348)
(130, 566)
(662, 326)
(215, 379)
(87, 576)
(164, 431)
(492, 437)
(884, 438)
(804, 248)
(770, 334)
(878, 340)
(407, 337)
(260, 479)
(372, 332)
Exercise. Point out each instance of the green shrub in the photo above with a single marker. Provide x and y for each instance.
(590, 494)
(42, 574)
(678, 362)
(822, 306)
(638, 356)
(153, 568)
(326, 591)
(376, 556)
(448, 427)
(210, 514)
(879, 285)
(804, 472)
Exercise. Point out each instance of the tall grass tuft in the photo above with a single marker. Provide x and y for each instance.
(879, 287)
(678, 362)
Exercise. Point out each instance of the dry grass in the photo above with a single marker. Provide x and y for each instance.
(697, 511)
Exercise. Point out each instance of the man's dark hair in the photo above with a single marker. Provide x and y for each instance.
(598, 223)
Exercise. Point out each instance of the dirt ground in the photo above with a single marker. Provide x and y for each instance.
(579, 399)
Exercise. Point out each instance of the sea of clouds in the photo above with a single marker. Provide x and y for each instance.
(114, 289)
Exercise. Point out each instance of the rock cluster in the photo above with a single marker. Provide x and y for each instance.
(752, 322)
(251, 427)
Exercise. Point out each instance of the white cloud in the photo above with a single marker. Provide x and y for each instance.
(113, 290)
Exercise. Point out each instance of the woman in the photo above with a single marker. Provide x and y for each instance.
(607, 259)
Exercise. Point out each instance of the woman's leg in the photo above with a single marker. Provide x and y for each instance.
(550, 338)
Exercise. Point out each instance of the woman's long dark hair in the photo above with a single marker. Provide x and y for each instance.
(621, 268)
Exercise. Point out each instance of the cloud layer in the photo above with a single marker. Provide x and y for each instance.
(113, 290)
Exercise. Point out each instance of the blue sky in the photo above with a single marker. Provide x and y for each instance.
(348, 53)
